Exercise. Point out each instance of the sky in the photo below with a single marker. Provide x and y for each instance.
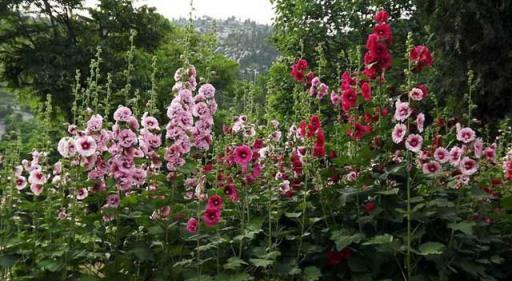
(259, 11)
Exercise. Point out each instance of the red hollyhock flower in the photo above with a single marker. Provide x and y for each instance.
(384, 32)
(421, 56)
(297, 70)
(381, 16)
(348, 99)
(359, 131)
(315, 122)
(320, 137)
(214, 202)
(366, 91)
(211, 217)
(231, 191)
(369, 207)
(302, 129)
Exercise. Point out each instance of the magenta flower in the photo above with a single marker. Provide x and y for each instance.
(215, 202)
(192, 225)
(465, 135)
(211, 217)
(242, 155)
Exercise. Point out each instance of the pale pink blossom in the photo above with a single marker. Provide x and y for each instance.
(478, 147)
(37, 177)
(414, 142)
(442, 155)
(489, 153)
(465, 135)
(417, 94)
(455, 155)
(82, 193)
(95, 123)
(207, 90)
(431, 168)
(21, 182)
(36, 189)
(402, 111)
(399, 132)
(420, 121)
(122, 113)
(468, 166)
(85, 146)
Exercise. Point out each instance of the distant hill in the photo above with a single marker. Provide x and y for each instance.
(244, 41)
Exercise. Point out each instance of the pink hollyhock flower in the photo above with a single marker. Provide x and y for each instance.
(207, 90)
(82, 193)
(431, 168)
(85, 146)
(149, 122)
(113, 201)
(37, 189)
(465, 135)
(335, 98)
(402, 110)
(489, 153)
(366, 91)
(442, 155)
(478, 147)
(417, 94)
(414, 142)
(352, 176)
(381, 16)
(421, 56)
(285, 188)
(122, 113)
(214, 202)
(66, 147)
(468, 166)
(242, 155)
(211, 217)
(455, 155)
(398, 133)
(201, 110)
(323, 89)
(21, 183)
(95, 123)
(420, 122)
(127, 138)
(62, 215)
(37, 177)
(192, 225)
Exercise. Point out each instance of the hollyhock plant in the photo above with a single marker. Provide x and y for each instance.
(414, 142)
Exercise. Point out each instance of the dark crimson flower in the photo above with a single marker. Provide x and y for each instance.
(315, 122)
(207, 168)
(421, 56)
(348, 99)
(359, 131)
(334, 257)
(231, 191)
(369, 207)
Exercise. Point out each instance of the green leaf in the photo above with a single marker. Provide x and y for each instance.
(261, 262)
(379, 240)
(392, 191)
(243, 276)
(431, 248)
(506, 202)
(7, 261)
(293, 215)
(312, 273)
(464, 226)
(234, 263)
(342, 241)
(497, 259)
